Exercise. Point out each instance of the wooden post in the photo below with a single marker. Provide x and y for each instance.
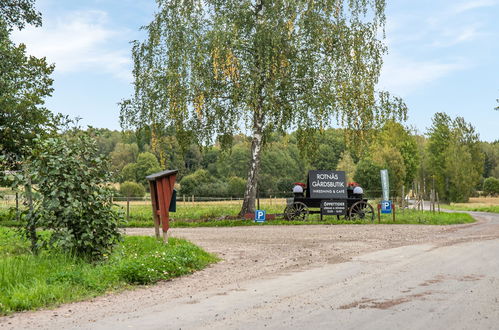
(379, 213)
(393, 209)
(32, 224)
(438, 203)
(183, 198)
(154, 201)
(17, 206)
(127, 208)
(403, 197)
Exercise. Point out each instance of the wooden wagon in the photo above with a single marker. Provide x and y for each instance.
(327, 193)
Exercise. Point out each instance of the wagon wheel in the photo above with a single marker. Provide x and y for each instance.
(296, 211)
(361, 210)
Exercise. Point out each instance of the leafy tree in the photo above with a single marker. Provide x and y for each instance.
(73, 201)
(132, 189)
(491, 186)
(24, 83)
(346, 164)
(147, 164)
(128, 173)
(391, 159)
(395, 135)
(189, 183)
(367, 174)
(19, 12)
(236, 186)
(122, 155)
(455, 160)
(208, 66)
(328, 151)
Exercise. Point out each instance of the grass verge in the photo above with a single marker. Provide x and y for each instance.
(29, 282)
(472, 207)
(405, 217)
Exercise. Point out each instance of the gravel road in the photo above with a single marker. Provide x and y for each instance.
(345, 276)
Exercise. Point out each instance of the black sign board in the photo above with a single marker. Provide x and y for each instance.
(327, 184)
(333, 207)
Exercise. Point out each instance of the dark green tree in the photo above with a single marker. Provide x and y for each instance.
(24, 83)
(213, 67)
(455, 158)
(367, 174)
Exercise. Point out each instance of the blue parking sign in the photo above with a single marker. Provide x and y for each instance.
(260, 215)
(386, 206)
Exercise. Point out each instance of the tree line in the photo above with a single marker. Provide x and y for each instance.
(449, 157)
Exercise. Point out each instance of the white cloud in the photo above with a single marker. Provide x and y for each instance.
(78, 41)
(470, 5)
(401, 75)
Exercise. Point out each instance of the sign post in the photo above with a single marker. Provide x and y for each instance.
(260, 216)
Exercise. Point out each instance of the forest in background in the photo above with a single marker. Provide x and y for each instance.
(449, 157)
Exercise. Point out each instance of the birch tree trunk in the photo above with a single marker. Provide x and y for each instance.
(256, 151)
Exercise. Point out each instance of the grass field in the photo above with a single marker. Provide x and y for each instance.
(30, 282)
(482, 204)
(224, 214)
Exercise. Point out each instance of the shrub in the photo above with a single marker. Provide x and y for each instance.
(491, 186)
(132, 189)
(236, 186)
(72, 198)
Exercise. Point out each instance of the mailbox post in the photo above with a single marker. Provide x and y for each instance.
(162, 194)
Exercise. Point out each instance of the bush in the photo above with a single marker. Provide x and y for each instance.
(491, 186)
(236, 186)
(72, 198)
(132, 189)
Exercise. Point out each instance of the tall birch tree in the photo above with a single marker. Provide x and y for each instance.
(214, 68)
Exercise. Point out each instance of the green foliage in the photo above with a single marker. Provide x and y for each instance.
(30, 282)
(236, 186)
(122, 155)
(24, 83)
(132, 189)
(129, 172)
(273, 65)
(19, 12)
(395, 148)
(347, 164)
(147, 164)
(367, 174)
(455, 159)
(72, 199)
(491, 186)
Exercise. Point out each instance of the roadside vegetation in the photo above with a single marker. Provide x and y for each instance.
(30, 282)
(484, 204)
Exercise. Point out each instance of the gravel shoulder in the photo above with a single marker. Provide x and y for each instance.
(251, 253)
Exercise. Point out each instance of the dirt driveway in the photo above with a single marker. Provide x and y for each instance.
(250, 254)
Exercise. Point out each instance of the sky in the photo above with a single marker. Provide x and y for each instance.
(442, 57)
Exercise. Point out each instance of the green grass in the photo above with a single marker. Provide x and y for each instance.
(30, 282)
(471, 207)
(224, 214)
(198, 219)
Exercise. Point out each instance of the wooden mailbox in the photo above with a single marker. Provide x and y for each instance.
(162, 194)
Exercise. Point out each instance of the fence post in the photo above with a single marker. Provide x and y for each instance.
(192, 199)
(127, 208)
(17, 206)
(438, 203)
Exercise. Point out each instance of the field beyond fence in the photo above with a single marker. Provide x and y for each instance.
(222, 212)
